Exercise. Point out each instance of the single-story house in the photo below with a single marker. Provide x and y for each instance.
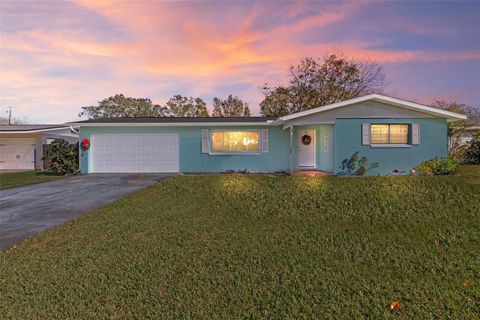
(397, 134)
(21, 145)
(467, 135)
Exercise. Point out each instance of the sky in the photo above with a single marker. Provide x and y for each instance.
(56, 57)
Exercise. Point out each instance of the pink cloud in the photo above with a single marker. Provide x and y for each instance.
(167, 47)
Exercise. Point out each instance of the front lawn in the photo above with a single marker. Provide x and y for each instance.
(250, 246)
(470, 172)
(17, 179)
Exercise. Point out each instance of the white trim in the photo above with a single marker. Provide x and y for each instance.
(173, 124)
(291, 150)
(391, 145)
(314, 148)
(32, 131)
(451, 116)
(249, 153)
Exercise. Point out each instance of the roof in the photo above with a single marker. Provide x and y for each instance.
(192, 121)
(450, 116)
(30, 128)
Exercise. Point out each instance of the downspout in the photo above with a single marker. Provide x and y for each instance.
(72, 129)
(291, 150)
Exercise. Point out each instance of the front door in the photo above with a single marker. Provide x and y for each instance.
(306, 148)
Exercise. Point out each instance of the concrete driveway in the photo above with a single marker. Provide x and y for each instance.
(34, 208)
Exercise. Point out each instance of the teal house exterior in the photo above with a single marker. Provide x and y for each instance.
(397, 134)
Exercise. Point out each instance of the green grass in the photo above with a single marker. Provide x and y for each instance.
(17, 179)
(232, 246)
(470, 172)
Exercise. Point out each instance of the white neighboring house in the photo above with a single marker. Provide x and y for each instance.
(467, 135)
(21, 145)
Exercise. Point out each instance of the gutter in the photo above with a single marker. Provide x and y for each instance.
(73, 130)
(172, 124)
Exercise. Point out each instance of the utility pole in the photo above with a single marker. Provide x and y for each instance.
(9, 115)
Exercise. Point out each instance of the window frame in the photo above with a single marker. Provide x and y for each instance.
(238, 153)
(390, 144)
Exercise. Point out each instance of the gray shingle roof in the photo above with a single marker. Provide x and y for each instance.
(29, 127)
(178, 120)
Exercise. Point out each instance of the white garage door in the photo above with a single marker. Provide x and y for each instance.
(119, 153)
(17, 153)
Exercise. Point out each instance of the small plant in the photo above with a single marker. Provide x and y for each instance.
(438, 166)
(426, 167)
(62, 157)
(356, 166)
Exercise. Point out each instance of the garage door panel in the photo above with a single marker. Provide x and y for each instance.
(17, 153)
(134, 153)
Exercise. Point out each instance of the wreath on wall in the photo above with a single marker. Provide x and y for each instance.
(85, 144)
(306, 139)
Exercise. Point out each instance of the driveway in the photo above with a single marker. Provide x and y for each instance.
(34, 208)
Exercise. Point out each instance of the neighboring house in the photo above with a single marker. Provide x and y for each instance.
(396, 133)
(467, 135)
(21, 145)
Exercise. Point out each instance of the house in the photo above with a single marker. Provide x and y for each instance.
(467, 135)
(21, 145)
(396, 133)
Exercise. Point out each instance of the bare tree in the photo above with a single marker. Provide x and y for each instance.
(317, 82)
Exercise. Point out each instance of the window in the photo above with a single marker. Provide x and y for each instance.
(389, 134)
(235, 142)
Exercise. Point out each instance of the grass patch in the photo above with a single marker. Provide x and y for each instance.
(216, 247)
(18, 179)
(470, 172)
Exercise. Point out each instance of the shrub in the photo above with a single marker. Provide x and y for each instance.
(472, 153)
(426, 167)
(438, 166)
(62, 157)
(356, 166)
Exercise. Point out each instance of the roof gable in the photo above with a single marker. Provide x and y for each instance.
(450, 116)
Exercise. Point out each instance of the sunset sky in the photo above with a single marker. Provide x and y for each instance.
(59, 56)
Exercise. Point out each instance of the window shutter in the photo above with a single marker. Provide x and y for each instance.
(264, 140)
(366, 133)
(415, 133)
(205, 140)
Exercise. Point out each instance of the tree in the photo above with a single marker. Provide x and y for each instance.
(121, 106)
(316, 82)
(457, 128)
(472, 153)
(62, 157)
(230, 107)
(278, 102)
(179, 106)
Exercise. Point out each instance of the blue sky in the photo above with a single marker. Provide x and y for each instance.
(59, 56)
